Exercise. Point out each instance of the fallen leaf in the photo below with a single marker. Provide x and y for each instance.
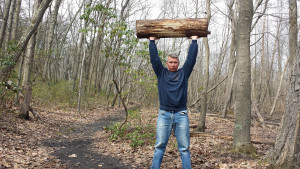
(72, 156)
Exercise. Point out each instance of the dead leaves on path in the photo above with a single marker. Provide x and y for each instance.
(208, 150)
(21, 142)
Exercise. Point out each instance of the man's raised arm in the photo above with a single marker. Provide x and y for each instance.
(192, 55)
(154, 58)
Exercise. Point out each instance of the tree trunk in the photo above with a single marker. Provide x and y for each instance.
(243, 83)
(17, 97)
(29, 53)
(201, 127)
(53, 21)
(25, 105)
(286, 152)
(262, 67)
(231, 66)
(28, 62)
(229, 91)
(10, 20)
(77, 60)
(80, 81)
(293, 32)
(16, 20)
(78, 53)
(4, 21)
(279, 88)
(166, 28)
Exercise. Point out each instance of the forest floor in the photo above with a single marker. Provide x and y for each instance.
(67, 139)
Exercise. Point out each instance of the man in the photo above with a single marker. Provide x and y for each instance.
(172, 89)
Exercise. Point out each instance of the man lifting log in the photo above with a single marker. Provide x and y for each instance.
(172, 82)
(172, 89)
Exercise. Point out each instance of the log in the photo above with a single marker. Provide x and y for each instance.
(172, 28)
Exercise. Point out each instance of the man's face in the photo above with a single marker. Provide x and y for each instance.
(172, 64)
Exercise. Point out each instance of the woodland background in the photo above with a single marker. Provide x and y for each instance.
(83, 55)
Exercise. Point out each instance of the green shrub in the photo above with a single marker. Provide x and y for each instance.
(134, 113)
(116, 131)
(136, 135)
(7, 55)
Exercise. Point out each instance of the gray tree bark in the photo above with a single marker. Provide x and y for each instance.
(79, 51)
(80, 82)
(16, 20)
(10, 20)
(28, 62)
(230, 81)
(286, 152)
(293, 31)
(53, 23)
(243, 83)
(5, 21)
(203, 109)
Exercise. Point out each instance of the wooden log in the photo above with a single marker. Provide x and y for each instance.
(171, 28)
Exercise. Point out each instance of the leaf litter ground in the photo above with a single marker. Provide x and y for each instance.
(65, 139)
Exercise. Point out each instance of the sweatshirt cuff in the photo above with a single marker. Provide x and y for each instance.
(152, 41)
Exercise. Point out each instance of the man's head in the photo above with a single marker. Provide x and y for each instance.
(172, 63)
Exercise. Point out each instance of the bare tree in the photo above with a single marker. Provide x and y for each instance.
(201, 125)
(53, 23)
(16, 20)
(230, 79)
(10, 20)
(28, 62)
(286, 152)
(79, 50)
(243, 77)
(80, 81)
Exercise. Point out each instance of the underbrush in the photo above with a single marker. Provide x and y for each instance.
(134, 131)
(62, 94)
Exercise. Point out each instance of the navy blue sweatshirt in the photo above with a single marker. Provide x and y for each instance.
(172, 86)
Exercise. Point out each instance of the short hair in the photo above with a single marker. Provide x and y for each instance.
(173, 56)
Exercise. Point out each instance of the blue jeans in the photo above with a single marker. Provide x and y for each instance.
(179, 122)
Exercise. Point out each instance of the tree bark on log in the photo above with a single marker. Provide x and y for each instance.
(171, 28)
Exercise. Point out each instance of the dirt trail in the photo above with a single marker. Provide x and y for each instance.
(76, 149)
